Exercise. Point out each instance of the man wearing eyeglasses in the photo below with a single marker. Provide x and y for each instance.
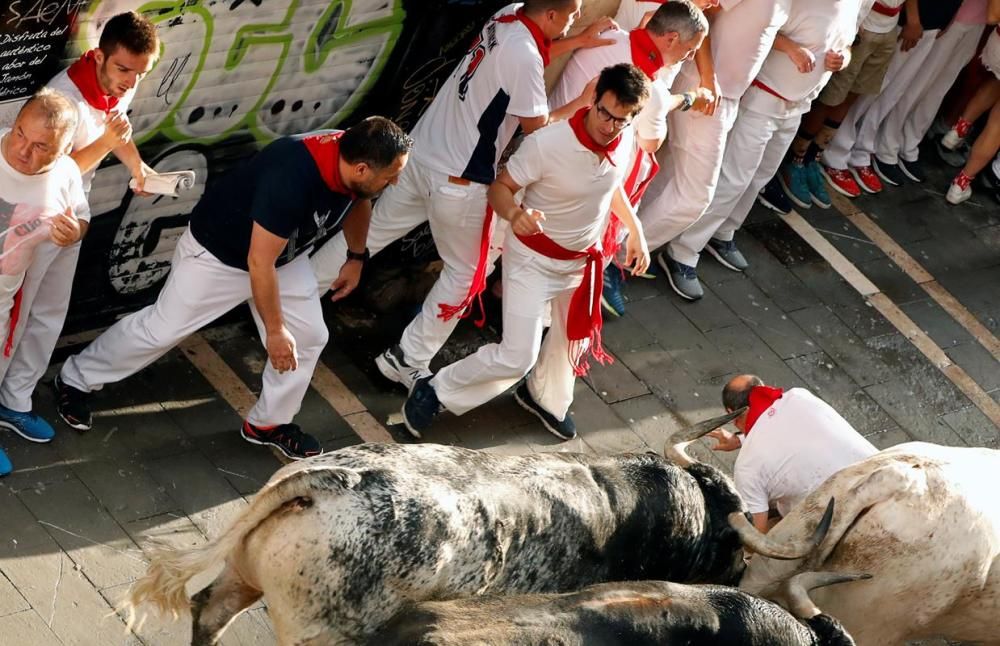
(571, 173)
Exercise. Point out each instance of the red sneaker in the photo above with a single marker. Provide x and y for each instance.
(840, 180)
(867, 179)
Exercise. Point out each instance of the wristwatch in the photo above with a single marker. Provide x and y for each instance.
(363, 256)
(688, 101)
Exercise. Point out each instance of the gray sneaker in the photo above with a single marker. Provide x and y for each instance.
(727, 254)
(683, 279)
(393, 367)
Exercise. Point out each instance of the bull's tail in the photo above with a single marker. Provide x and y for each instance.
(163, 585)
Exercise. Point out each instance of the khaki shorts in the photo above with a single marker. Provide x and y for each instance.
(870, 58)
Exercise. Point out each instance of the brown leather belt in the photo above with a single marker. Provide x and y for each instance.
(461, 181)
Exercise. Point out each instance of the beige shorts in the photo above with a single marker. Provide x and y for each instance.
(870, 58)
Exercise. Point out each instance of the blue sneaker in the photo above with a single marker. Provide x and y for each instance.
(5, 465)
(421, 407)
(611, 295)
(28, 425)
(773, 197)
(794, 179)
(817, 190)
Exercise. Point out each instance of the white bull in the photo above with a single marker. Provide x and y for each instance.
(924, 520)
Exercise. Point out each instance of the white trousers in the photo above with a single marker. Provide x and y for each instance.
(531, 284)
(689, 170)
(45, 294)
(198, 290)
(904, 129)
(854, 143)
(754, 150)
(455, 214)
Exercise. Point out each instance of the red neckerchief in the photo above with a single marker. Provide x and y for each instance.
(543, 42)
(325, 151)
(583, 322)
(83, 73)
(761, 398)
(645, 54)
(576, 122)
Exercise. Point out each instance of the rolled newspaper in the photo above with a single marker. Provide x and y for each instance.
(167, 183)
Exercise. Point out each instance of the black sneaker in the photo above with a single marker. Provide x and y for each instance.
(989, 180)
(889, 173)
(913, 169)
(421, 407)
(564, 430)
(773, 197)
(73, 405)
(287, 438)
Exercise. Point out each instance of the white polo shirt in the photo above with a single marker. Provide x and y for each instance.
(877, 22)
(631, 12)
(820, 27)
(742, 35)
(90, 122)
(794, 446)
(569, 183)
(475, 113)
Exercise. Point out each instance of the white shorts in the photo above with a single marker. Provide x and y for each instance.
(991, 53)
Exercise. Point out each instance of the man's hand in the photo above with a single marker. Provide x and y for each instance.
(65, 228)
(281, 350)
(725, 441)
(909, 35)
(835, 61)
(347, 280)
(526, 222)
(805, 60)
(705, 100)
(591, 36)
(636, 254)
(117, 130)
(139, 174)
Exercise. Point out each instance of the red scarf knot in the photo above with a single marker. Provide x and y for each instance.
(583, 323)
(577, 123)
(543, 42)
(761, 398)
(645, 54)
(325, 151)
(83, 73)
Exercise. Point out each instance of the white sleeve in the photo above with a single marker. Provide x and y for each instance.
(525, 165)
(651, 122)
(524, 80)
(751, 489)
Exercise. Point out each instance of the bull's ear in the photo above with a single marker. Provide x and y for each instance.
(675, 448)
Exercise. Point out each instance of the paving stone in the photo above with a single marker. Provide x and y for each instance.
(914, 415)
(20, 532)
(707, 313)
(973, 427)
(783, 243)
(650, 419)
(246, 466)
(774, 278)
(626, 334)
(35, 465)
(943, 329)
(671, 383)
(744, 352)
(599, 427)
(664, 324)
(846, 349)
(845, 237)
(78, 522)
(902, 212)
(66, 600)
(124, 489)
(27, 628)
(887, 437)
(961, 253)
(766, 319)
(891, 280)
(614, 382)
(846, 304)
(978, 362)
(206, 417)
(918, 374)
(11, 600)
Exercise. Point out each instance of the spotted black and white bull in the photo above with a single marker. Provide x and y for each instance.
(924, 520)
(337, 544)
(641, 613)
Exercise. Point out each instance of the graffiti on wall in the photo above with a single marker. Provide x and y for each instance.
(232, 76)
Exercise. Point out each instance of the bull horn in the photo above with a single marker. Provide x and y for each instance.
(676, 446)
(796, 590)
(770, 547)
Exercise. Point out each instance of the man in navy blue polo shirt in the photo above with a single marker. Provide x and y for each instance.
(248, 240)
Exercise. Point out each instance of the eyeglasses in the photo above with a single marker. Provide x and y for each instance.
(618, 122)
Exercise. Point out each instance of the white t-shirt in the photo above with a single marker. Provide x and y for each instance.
(27, 205)
(631, 12)
(90, 124)
(876, 22)
(794, 446)
(742, 35)
(820, 27)
(569, 183)
(474, 115)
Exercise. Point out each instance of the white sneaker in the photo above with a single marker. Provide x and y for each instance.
(956, 194)
(951, 140)
(393, 367)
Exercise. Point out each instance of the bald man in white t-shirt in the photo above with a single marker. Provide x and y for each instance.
(789, 441)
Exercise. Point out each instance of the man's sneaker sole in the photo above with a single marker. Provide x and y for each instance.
(883, 177)
(722, 261)
(607, 308)
(791, 196)
(820, 203)
(10, 426)
(857, 178)
(534, 412)
(767, 203)
(910, 176)
(275, 445)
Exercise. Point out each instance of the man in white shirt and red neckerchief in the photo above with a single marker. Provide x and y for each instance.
(496, 88)
(100, 85)
(672, 34)
(792, 442)
(41, 199)
(769, 117)
(571, 173)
